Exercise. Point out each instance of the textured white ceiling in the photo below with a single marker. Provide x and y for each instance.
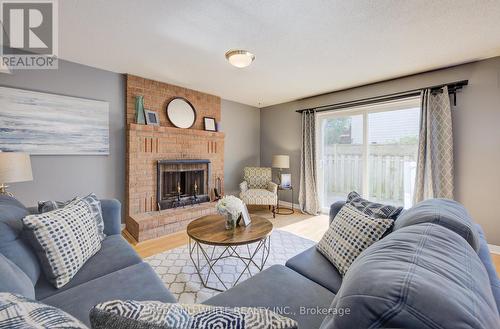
(302, 48)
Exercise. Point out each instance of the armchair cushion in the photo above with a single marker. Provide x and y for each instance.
(272, 187)
(259, 197)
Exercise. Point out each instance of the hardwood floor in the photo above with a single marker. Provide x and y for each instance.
(307, 226)
(496, 262)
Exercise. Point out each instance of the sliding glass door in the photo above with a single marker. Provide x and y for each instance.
(369, 149)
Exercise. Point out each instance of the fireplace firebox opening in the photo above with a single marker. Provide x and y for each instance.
(182, 182)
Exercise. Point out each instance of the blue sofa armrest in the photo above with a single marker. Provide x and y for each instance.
(485, 256)
(335, 208)
(112, 216)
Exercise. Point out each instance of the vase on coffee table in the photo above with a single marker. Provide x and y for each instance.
(230, 221)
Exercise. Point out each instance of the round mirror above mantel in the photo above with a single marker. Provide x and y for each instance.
(181, 113)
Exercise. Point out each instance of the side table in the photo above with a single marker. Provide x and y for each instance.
(284, 210)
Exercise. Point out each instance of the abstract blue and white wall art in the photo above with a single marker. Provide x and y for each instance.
(41, 123)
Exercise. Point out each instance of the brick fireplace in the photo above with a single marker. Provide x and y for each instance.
(162, 159)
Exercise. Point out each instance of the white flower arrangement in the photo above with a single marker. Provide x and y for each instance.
(229, 204)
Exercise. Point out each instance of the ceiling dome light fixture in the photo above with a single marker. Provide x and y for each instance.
(240, 58)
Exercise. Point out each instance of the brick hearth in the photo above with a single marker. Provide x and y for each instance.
(148, 144)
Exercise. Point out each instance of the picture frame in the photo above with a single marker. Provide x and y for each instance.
(245, 216)
(152, 118)
(41, 123)
(209, 124)
(286, 181)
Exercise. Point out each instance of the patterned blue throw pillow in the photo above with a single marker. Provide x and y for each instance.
(373, 209)
(90, 201)
(18, 312)
(63, 239)
(151, 314)
(349, 235)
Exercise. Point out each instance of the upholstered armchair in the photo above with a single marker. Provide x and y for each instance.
(258, 188)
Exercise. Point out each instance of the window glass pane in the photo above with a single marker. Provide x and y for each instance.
(342, 157)
(392, 155)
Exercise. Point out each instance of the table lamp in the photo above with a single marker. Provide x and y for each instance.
(15, 167)
(281, 162)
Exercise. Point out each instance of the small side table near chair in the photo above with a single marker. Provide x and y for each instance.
(284, 210)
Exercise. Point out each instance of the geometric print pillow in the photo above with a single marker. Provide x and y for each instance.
(63, 239)
(151, 314)
(49, 205)
(18, 312)
(90, 201)
(373, 209)
(349, 234)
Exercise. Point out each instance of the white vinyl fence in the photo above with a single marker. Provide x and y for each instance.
(391, 169)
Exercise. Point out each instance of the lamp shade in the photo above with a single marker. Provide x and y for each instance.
(15, 167)
(281, 161)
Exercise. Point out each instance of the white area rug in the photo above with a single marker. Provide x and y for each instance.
(179, 274)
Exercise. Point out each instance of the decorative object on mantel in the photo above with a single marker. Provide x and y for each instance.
(210, 124)
(181, 113)
(139, 110)
(281, 162)
(42, 123)
(152, 118)
(15, 167)
(230, 207)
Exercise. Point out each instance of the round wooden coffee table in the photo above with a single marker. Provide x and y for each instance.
(210, 242)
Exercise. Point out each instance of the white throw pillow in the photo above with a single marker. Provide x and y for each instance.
(350, 233)
(17, 311)
(64, 239)
(151, 314)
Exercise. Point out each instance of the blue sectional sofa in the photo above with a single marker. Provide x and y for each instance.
(425, 274)
(115, 272)
(433, 271)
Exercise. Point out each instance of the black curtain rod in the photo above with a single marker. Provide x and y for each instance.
(453, 87)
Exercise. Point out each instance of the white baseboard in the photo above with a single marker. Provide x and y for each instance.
(289, 205)
(494, 249)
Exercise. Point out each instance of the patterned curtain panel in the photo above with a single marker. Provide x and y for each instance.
(434, 178)
(308, 192)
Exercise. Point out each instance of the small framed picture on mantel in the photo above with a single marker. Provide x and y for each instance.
(151, 118)
(209, 124)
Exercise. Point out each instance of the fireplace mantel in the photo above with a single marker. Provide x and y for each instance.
(173, 130)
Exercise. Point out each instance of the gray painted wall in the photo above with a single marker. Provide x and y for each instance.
(62, 177)
(241, 123)
(476, 121)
